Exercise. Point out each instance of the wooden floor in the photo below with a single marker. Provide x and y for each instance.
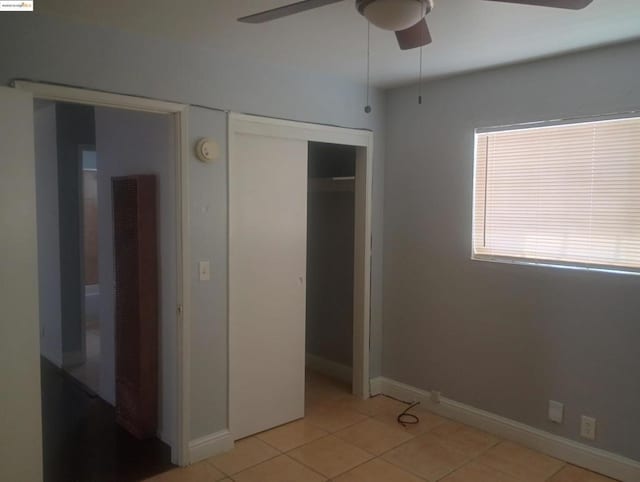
(348, 440)
(81, 441)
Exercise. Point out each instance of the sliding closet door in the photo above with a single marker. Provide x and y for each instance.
(267, 268)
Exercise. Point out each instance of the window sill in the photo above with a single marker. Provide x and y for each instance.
(557, 265)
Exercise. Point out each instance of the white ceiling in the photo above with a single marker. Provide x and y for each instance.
(467, 34)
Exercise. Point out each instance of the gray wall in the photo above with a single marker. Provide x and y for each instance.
(130, 143)
(55, 50)
(208, 211)
(48, 232)
(500, 337)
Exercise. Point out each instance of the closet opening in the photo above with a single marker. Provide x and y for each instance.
(330, 267)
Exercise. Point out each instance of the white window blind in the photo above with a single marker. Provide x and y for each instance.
(563, 194)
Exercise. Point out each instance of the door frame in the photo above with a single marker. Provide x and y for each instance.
(363, 140)
(43, 91)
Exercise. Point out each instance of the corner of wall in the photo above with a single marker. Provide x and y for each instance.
(210, 445)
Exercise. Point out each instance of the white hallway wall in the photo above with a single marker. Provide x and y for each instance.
(131, 143)
(55, 50)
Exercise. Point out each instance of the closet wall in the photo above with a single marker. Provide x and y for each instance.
(330, 252)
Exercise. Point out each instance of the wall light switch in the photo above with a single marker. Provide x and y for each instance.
(556, 411)
(205, 271)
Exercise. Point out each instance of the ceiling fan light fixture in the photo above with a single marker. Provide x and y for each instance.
(394, 15)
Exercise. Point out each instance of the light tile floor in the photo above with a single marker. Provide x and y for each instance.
(343, 439)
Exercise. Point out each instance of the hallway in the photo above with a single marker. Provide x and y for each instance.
(81, 441)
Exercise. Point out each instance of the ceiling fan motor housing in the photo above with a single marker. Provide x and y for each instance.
(394, 15)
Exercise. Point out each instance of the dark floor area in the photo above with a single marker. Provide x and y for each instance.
(81, 441)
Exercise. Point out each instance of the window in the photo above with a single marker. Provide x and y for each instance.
(564, 194)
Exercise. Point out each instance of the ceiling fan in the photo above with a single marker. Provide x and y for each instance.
(404, 17)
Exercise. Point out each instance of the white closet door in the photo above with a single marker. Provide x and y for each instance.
(267, 270)
(20, 419)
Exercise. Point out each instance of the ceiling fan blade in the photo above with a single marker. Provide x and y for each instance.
(413, 37)
(286, 10)
(568, 4)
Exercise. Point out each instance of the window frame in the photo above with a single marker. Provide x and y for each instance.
(535, 262)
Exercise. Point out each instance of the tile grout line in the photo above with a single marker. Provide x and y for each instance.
(280, 452)
(328, 434)
(307, 467)
(475, 458)
(500, 441)
(562, 467)
(368, 416)
(341, 473)
(286, 454)
(405, 469)
(379, 456)
(311, 468)
(250, 466)
(373, 456)
(467, 462)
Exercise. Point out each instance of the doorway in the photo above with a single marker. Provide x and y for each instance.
(94, 383)
(268, 177)
(22, 407)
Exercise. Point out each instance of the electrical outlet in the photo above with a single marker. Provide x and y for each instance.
(556, 411)
(588, 427)
(435, 396)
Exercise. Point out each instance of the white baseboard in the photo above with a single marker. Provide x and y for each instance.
(56, 360)
(598, 460)
(329, 368)
(375, 386)
(210, 445)
(73, 359)
(160, 434)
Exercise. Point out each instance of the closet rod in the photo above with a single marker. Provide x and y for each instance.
(344, 178)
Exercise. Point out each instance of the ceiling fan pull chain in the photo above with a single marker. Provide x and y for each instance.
(367, 108)
(424, 12)
(420, 80)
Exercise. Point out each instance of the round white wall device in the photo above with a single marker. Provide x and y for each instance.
(207, 150)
